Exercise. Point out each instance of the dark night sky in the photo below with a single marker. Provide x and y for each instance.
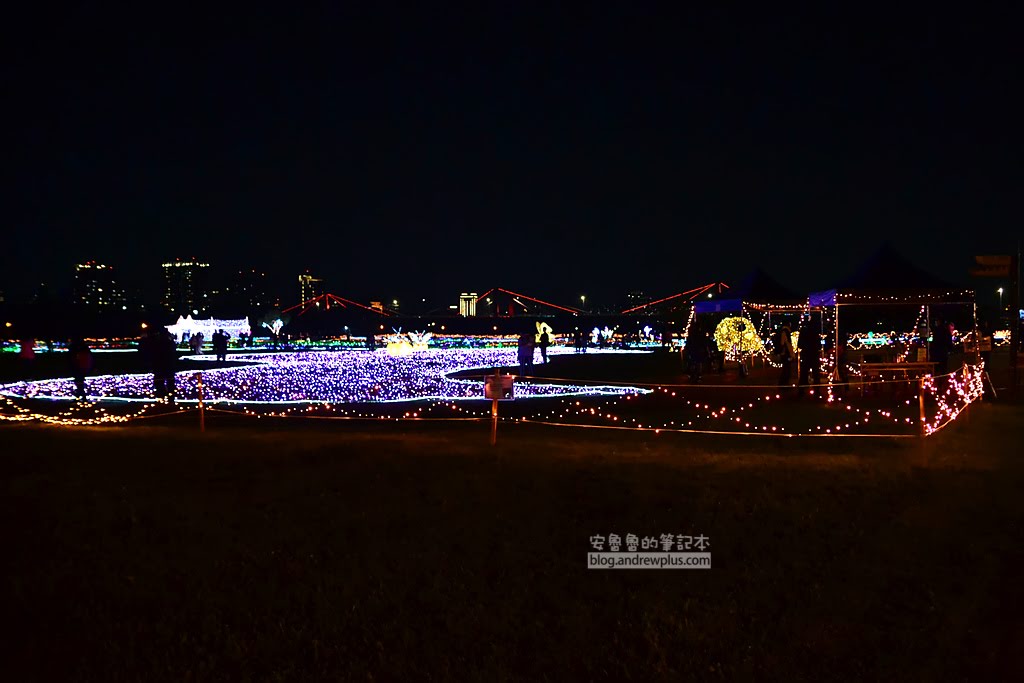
(592, 151)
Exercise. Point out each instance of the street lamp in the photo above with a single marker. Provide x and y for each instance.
(1000, 290)
(583, 302)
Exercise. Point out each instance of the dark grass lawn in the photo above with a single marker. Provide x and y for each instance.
(295, 550)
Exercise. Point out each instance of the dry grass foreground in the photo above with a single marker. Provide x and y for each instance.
(288, 550)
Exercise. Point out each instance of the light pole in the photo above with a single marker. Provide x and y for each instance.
(583, 302)
(1000, 290)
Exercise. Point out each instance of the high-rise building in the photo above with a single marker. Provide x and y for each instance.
(42, 294)
(467, 304)
(95, 287)
(248, 292)
(637, 298)
(186, 287)
(310, 287)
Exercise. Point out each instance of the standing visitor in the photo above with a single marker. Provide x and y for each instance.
(785, 355)
(942, 344)
(81, 364)
(196, 342)
(697, 352)
(719, 355)
(27, 356)
(525, 349)
(809, 345)
(220, 345)
(842, 368)
(545, 340)
(161, 353)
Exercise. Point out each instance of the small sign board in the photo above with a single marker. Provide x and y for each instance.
(499, 388)
(993, 266)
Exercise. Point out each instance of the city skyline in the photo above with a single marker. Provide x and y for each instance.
(595, 152)
(219, 290)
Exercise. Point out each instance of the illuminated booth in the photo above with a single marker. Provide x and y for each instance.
(744, 321)
(883, 287)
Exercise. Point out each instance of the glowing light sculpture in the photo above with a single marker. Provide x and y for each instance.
(736, 336)
(190, 326)
(275, 327)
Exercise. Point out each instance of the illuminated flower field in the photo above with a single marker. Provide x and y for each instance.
(321, 377)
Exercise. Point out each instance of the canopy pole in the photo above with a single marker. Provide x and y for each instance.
(927, 332)
(835, 350)
(976, 336)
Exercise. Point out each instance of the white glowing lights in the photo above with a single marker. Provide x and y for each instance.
(207, 327)
(399, 344)
(366, 385)
(737, 336)
(321, 377)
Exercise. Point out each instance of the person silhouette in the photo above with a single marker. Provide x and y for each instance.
(545, 341)
(697, 351)
(220, 345)
(942, 345)
(525, 353)
(785, 355)
(81, 364)
(809, 345)
(27, 356)
(161, 353)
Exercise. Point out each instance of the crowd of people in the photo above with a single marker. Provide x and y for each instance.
(527, 346)
(158, 347)
(700, 353)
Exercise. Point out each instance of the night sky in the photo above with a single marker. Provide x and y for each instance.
(421, 152)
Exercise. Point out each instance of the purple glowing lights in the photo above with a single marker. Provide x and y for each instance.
(321, 377)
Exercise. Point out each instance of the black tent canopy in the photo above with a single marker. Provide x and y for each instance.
(888, 278)
(757, 289)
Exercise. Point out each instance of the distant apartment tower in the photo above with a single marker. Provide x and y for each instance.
(248, 292)
(467, 304)
(310, 287)
(637, 298)
(186, 287)
(95, 287)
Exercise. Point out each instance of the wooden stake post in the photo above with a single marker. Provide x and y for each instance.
(202, 410)
(922, 439)
(497, 390)
(494, 422)
(1015, 321)
(920, 407)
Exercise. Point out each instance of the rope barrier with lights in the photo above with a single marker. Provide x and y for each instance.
(939, 401)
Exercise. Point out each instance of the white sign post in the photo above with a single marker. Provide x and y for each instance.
(498, 387)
